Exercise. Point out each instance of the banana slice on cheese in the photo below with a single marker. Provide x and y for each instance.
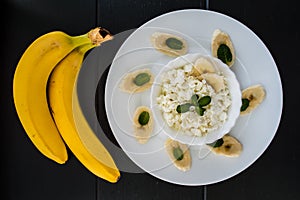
(179, 154)
(229, 147)
(169, 44)
(137, 81)
(202, 66)
(251, 98)
(143, 124)
(222, 47)
(215, 80)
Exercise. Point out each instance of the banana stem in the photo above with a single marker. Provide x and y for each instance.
(84, 48)
(95, 36)
(99, 35)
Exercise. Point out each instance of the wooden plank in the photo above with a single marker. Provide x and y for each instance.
(118, 16)
(25, 172)
(146, 187)
(275, 174)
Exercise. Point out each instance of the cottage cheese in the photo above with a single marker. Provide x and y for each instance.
(177, 88)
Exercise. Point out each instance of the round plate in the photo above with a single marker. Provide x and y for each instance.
(254, 65)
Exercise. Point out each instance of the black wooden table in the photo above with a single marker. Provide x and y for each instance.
(26, 174)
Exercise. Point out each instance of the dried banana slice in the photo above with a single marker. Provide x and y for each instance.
(215, 80)
(202, 66)
(222, 47)
(137, 81)
(179, 154)
(228, 146)
(252, 97)
(169, 44)
(143, 124)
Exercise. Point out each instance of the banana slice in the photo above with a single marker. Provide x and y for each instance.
(143, 124)
(137, 81)
(202, 66)
(179, 154)
(255, 95)
(169, 44)
(222, 47)
(215, 80)
(231, 147)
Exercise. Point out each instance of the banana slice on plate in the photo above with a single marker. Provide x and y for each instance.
(137, 81)
(179, 154)
(169, 44)
(143, 124)
(222, 47)
(215, 80)
(202, 66)
(251, 98)
(228, 146)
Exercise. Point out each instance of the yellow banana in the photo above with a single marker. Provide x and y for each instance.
(30, 84)
(62, 83)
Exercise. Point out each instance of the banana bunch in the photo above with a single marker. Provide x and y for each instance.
(43, 87)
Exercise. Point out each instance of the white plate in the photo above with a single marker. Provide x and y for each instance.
(254, 64)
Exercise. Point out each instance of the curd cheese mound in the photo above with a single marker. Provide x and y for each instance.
(177, 88)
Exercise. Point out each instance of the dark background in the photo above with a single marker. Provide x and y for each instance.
(26, 174)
